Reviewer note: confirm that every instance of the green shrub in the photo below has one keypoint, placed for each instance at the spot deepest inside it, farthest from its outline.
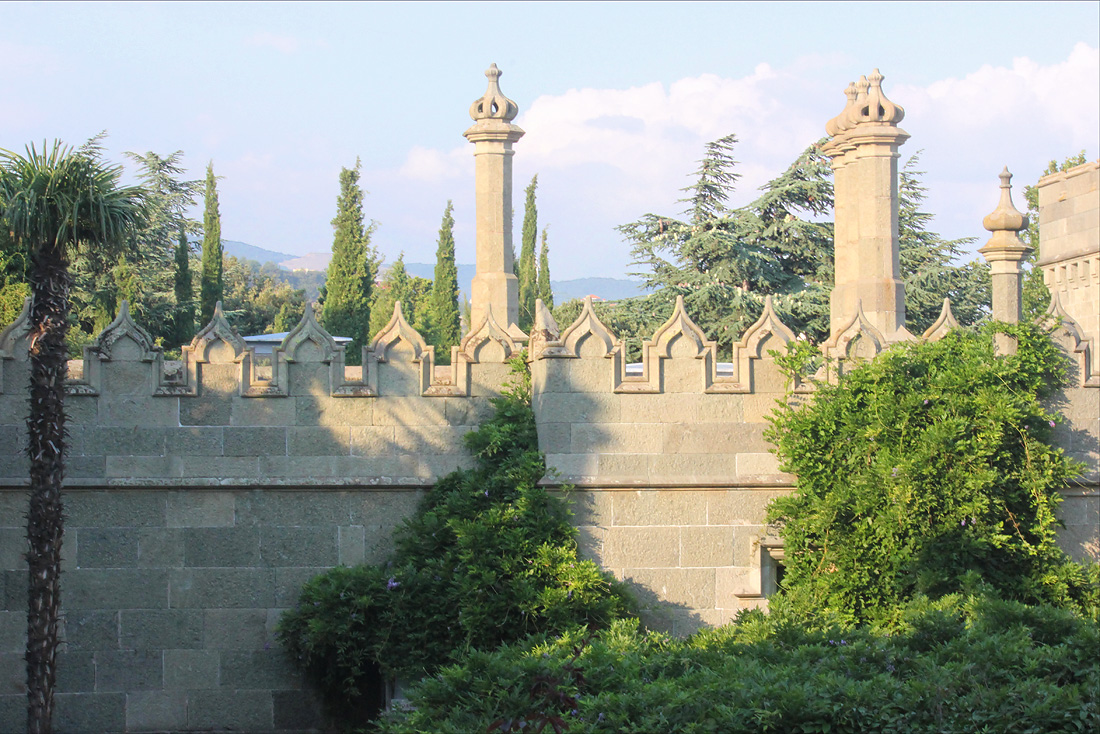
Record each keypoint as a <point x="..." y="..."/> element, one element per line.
<point x="488" y="558"/>
<point x="956" y="664"/>
<point x="930" y="462"/>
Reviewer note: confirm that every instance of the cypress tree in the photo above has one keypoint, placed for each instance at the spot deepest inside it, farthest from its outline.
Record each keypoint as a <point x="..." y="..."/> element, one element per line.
<point x="527" y="267"/>
<point x="185" y="294"/>
<point x="443" y="313"/>
<point x="544" y="290"/>
<point x="352" y="268"/>
<point x="211" y="287"/>
<point x="395" y="287"/>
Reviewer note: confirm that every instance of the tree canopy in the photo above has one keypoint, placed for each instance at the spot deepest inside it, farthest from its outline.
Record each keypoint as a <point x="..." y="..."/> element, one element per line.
<point x="351" y="272"/>
<point x="212" y="284"/>
<point x="442" y="316"/>
<point x="922" y="467"/>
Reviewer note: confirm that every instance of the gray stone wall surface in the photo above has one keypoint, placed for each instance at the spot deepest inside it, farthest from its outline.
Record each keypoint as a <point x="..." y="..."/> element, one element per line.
<point x="171" y="597"/>
<point x="201" y="495"/>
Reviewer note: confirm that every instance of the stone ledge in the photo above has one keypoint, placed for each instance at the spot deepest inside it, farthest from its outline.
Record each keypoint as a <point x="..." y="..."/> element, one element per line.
<point x="778" y="481"/>
<point x="304" y="483"/>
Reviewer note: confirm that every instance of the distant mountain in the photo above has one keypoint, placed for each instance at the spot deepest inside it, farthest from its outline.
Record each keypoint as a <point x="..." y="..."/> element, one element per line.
<point x="312" y="261"/>
<point x="251" y="252"/>
<point x="608" y="289"/>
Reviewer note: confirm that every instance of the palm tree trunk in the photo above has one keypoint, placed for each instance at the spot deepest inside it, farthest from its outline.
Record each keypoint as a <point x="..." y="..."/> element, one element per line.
<point x="50" y="285"/>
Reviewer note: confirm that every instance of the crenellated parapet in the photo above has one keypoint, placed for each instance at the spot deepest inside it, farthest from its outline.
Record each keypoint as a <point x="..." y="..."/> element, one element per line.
<point x="223" y="415"/>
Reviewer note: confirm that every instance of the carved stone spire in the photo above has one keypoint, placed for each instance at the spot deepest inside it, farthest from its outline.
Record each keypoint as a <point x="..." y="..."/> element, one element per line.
<point x="495" y="286"/>
<point x="493" y="104"/>
<point x="864" y="153"/>
<point x="1004" y="252"/>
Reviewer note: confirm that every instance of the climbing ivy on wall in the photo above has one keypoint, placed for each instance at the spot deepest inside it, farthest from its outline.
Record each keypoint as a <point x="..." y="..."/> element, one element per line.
<point x="488" y="558"/>
<point x="922" y="468"/>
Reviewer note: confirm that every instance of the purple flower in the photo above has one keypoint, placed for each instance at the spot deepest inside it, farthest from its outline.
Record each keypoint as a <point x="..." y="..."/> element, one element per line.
<point x="926" y="401"/>
<point x="962" y="522"/>
<point x="392" y="584"/>
<point x="486" y="493"/>
<point x="1051" y="424"/>
<point x="894" y="473"/>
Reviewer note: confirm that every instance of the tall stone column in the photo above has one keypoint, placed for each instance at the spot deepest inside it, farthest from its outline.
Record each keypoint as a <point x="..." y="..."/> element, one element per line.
<point x="1004" y="252"/>
<point x="864" y="154"/>
<point x="495" y="285"/>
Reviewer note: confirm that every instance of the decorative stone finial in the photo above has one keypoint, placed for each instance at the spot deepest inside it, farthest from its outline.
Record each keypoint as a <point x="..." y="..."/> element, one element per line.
<point x="840" y="123"/>
<point x="874" y="107"/>
<point x="866" y="103"/>
<point x="493" y="105"/>
<point x="1005" y="218"/>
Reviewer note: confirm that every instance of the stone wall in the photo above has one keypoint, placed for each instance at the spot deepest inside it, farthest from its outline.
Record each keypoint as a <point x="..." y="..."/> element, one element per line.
<point x="202" y="494"/>
<point x="1069" y="229"/>
<point x="171" y="597"/>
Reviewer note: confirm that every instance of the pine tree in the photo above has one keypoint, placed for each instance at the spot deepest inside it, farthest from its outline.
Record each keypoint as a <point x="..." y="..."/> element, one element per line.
<point x="545" y="292"/>
<point x="211" y="288"/>
<point x="149" y="252"/>
<point x="926" y="262"/>
<point x="528" y="270"/>
<point x="443" y="316"/>
<point x="185" y="307"/>
<point x="347" y="308"/>
<point x="724" y="262"/>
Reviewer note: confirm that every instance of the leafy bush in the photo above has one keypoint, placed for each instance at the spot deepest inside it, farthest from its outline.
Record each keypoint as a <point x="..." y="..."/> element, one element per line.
<point x="958" y="664"/>
<point x="488" y="558"/>
<point x="931" y="461"/>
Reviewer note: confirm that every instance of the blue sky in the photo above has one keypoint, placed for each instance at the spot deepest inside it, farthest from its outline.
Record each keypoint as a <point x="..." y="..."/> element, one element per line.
<point x="618" y="100"/>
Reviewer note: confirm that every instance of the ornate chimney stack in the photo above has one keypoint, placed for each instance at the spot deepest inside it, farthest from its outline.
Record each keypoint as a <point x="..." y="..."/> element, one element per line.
<point x="1004" y="252"/>
<point x="495" y="288"/>
<point x="864" y="153"/>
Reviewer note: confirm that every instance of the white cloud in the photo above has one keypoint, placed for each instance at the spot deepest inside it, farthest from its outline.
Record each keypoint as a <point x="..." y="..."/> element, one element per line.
<point x="1060" y="98"/>
<point x="280" y="42"/>
<point x="434" y="166"/>
<point x="606" y="156"/>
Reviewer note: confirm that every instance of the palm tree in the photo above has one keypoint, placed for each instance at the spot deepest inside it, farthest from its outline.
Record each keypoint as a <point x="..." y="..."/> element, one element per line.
<point x="53" y="203"/>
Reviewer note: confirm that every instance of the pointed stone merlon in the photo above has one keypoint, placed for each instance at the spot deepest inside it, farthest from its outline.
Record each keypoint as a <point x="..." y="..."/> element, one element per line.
<point x="493" y="134"/>
<point x="1069" y="227"/>
<point x="1004" y="252"/>
<point x="864" y="154"/>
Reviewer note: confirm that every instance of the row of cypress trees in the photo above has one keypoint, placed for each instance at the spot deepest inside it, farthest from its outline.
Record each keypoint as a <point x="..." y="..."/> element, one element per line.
<point x="534" y="280"/>
<point x="355" y="306"/>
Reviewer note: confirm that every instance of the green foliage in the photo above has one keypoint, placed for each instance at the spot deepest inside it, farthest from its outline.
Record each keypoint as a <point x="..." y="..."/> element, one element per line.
<point x="927" y="464"/>
<point x="926" y="262"/>
<point x="1036" y="297"/>
<point x="528" y="266"/>
<point x="962" y="664"/>
<point x="14" y="287"/>
<point x="146" y="277"/>
<point x="443" y="315"/>
<point x="412" y="291"/>
<point x="724" y="262"/>
<point x="352" y="269"/>
<point x="545" y="291"/>
<point x="212" y="284"/>
<point x="257" y="300"/>
<point x="488" y="558"/>
<point x="184" y="321"/>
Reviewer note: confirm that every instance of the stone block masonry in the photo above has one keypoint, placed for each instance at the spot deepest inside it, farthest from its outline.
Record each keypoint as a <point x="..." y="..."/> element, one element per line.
<point x="171" y="597"/>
